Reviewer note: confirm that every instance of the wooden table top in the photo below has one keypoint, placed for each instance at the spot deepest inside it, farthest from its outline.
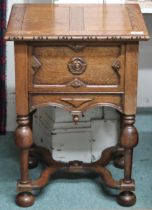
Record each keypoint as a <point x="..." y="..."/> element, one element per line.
<point x="76" y="22"/>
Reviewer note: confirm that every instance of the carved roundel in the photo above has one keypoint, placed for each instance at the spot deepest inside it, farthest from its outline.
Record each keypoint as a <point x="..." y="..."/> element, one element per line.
<point x="77" y="66"/>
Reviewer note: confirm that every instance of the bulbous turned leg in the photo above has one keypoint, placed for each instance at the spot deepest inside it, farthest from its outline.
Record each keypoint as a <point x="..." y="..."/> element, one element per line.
<point x="126" y="198"/>
<point x="128" y="140"/>
<point x="25" y="199"/>
<point x="23" y="139"/>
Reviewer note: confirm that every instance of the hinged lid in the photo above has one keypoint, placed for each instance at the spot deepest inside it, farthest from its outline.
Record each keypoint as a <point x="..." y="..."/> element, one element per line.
<point x="76" y="22"/>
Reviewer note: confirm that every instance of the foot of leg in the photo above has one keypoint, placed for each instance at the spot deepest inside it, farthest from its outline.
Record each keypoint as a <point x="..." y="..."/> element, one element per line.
<point x="25" y="199"/>
<point x="126" y="198"/>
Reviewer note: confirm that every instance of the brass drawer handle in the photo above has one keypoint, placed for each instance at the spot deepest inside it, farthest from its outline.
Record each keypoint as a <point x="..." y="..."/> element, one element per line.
<point x="77" y="66"/>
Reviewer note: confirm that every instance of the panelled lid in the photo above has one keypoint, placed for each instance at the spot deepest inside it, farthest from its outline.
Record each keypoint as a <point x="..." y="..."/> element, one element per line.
<point x="76" y="22"/>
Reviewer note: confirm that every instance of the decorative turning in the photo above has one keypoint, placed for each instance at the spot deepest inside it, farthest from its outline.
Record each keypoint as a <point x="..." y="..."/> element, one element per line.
<point x="76" y="118"/>
<point x="77" y="66"/>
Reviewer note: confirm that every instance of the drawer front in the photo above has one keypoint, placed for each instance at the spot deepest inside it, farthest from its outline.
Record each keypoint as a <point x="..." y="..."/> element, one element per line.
<point x="79" y="68"/>
<point x="76" y="102"/>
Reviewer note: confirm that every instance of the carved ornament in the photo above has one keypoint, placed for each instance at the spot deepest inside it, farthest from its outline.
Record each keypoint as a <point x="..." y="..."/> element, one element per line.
<point x="76" y="102"/>
<point x="77" y="47"/>
<point x="76" y="83"/>
<point x="116" y="67"/>
<point x="77" y="66"/>
<point x="36" y="64"/>
<point x="10" y="37"/>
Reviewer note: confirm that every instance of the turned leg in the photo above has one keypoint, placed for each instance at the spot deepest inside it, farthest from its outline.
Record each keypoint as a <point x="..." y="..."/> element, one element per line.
<point x="23" y="139"/>
<point x="129" y="139"/>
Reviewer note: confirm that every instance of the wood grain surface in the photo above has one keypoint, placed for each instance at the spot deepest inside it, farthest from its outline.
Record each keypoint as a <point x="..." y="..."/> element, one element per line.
<point x="76" y="57"/>
<point x="104" y="68"/>
<point x="82" y="22"/>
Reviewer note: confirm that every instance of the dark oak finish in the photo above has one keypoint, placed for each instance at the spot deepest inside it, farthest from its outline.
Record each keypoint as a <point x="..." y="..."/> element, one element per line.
<point x="76" y="57"/>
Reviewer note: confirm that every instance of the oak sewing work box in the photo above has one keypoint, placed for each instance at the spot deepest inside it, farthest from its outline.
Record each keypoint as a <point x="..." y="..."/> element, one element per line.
<point x="76" y="57"/>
